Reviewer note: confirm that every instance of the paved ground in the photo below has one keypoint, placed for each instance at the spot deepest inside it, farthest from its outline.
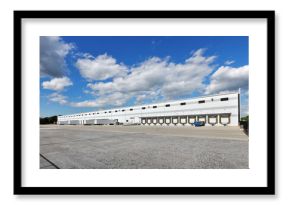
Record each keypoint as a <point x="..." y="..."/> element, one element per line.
<point x="139" y="147"/>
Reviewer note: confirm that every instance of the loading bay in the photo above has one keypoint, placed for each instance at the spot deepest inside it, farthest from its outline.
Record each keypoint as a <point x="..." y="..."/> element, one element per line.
<point x="142" y="147"/>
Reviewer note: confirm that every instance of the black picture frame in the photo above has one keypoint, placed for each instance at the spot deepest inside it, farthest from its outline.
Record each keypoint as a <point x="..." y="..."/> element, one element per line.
<point x="268" y="190"/>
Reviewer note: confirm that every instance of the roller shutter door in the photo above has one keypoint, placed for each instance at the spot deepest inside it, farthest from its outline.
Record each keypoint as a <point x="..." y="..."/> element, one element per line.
<point x="63" y="122"/>
<point x="90" y="122"/>
<point x="183" y="120"/>
<point x="212" y="119"/>
<point x="225" y="119"/>
<point x="167" y="120"/>
<point x="74" y="122"/>
<point x="174" y="120"/>
<point x="201" y="119"/>
<point x="191" y="119"/>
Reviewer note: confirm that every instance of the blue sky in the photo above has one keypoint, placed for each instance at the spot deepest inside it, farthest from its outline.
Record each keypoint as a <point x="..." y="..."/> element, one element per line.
<point x="85" y="73"/>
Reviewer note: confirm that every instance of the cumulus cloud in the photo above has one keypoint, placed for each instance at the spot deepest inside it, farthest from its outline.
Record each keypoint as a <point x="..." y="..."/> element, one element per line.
<point x="58" y="98"/>
<point x="158" y="78"/>
<point x="228" y="79"/>
<point x="53" y="51"/>
<point x="86" y="103"/>
<point x="153" y="80"/>
<point x="100" y="68"/>
<point x="114" y="99"/>
<point x="57" y="84"/>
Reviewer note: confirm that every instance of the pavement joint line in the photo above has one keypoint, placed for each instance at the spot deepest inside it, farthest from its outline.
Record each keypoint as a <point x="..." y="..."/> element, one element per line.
<point x="133" y="148"/>
<point x="52" y="164"/>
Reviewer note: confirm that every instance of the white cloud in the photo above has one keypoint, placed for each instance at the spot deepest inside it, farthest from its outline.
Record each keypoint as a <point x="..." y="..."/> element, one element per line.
<point x="100" y="68"/>
<point x="228" y="79"/>
<point x="53" y="51"/>
<point x="158" y="79"/>
<point x="152" y="80"/>
<point x="229" y="62"/>
<point x="57" y="84"/>
<point x="115" y="99"/>
<point x="85" y="103"/>
<point x="58" y="98"/>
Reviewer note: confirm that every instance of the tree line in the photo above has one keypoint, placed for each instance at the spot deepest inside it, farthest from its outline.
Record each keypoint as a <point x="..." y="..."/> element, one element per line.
<point x="48" y="120"/>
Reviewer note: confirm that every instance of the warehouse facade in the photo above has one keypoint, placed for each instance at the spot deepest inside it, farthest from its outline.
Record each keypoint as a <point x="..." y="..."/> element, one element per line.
<point x="215" y="110"/>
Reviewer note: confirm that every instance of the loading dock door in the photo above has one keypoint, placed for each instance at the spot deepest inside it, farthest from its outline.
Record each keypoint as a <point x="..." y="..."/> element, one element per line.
<point x="182" y="120"/>
<point x="212" y="119"/>
<point x="167" y="120"/>
<point x="191" y="119"/>
<point x="174" y="120"/>
<point x="74" y="122"/>
<point x="90" y="122"/>
<point x="201" y="118"/>
<point x="63" y="122"/>
<point x="225" y="119"/>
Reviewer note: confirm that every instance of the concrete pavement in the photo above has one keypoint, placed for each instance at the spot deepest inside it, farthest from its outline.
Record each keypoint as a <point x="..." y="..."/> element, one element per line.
<point x="139" y="147"/>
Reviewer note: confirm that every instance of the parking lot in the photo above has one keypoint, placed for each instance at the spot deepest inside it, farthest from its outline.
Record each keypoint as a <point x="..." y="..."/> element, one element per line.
<point x="141" y="147"/>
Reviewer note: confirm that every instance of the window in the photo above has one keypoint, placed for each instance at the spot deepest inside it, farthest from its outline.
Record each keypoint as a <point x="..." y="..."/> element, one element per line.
<point x="123" y="110"/>
<point x="201" y="101"/>
<point x="131" y="109"/>
<point x="98" y="113"/>
<point x="224" y="99"/>
<point x="168" y="105"/>
<point x="116" y="110"/>
<point x="143" y="108"/>
<point x="154" y="106"/>
<point x="105" y="112"/>
<point x="183" y="103"/>
<point x="109" y="111"/>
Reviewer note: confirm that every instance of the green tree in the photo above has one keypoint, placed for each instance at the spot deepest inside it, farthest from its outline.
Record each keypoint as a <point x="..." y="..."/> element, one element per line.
<point x="48" y="120"/>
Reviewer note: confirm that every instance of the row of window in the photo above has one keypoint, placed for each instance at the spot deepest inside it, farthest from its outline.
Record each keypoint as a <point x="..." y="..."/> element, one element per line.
<point x="143" y="108"/>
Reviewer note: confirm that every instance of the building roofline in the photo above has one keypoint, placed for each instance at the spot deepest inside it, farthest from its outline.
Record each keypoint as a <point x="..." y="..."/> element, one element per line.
<point x="157" y="103"/>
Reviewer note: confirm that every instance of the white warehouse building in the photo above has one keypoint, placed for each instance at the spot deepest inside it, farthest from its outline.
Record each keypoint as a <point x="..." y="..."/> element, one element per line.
<point x="215" y="110"/>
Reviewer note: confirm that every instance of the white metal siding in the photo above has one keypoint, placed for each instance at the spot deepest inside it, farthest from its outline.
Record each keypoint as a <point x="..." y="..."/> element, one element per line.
<point x="212" y="106"/>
